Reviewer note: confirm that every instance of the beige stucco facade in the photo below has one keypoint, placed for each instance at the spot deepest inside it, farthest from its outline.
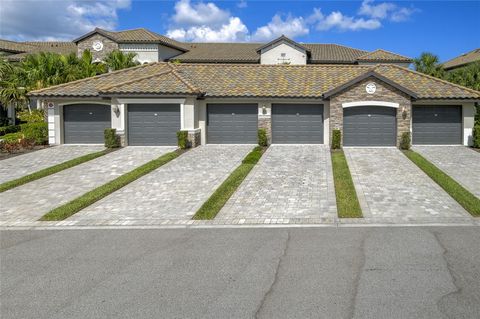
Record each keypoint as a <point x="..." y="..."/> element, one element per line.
<point x="283" y="53"/>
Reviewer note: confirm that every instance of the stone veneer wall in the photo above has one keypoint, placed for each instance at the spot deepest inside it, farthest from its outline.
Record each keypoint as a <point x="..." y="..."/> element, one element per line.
<point x="265" y="122"/>
<point x="195" y="138"/>
<point x="108" y="46"/>
<point x="384" y="93"/>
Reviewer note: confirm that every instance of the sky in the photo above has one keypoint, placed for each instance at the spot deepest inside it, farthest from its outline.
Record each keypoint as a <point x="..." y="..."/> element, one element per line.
<point x="446" y="28"/>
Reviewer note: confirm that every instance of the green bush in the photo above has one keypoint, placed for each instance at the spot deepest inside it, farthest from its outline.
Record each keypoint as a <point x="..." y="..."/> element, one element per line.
<point x="11" y="142"/>
<point x="476" y="136"/>
<point x="34" y="116"/>
<point x="12" y="137"/>
<point x="262" y="137"/>
<point x="254" y="156"/>
<point x="112" y="140"/>
<point x="9" y="129"/>
<point x="336" y="139"/>
<point x="405" y="141"/>
<point x="36" y="132"/>
<point x="182" y="137"/>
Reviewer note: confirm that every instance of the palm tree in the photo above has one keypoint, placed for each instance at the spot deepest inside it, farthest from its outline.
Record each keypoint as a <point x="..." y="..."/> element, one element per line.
<point x="429" y="63"/>
<point x="87" y="67"/>
<point x="117" y="60"/>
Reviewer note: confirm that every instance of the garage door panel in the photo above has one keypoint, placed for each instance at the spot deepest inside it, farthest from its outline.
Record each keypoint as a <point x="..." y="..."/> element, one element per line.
<point x="297" y="123"/>
<point x="153" y="124"/>
<point x="232" y="123"/>
<point x="369" y="126"/>
<point x="437" y="125"/>
<point x="85" y="123"/>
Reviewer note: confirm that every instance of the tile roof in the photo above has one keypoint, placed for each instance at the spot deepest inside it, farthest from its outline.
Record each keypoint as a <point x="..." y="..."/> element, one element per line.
<point x="22" y="49"/>
<point x="250" y="80"/>
<point x="384" y="56"/>
<point x="15" y="47"/>
<point x="247" y="53"/>
<point x="140" y="35"/>
<point x="463" y="59"/>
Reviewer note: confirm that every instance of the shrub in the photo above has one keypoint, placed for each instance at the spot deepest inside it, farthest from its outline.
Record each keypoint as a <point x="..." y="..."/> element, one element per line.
<point x="262" y="137"/>
<point x="182" y="137"/>
<point x="112" y="140"/>
<point x="336" y="139"/>
<point x="34" y="116"/>
<point x="11" y="142"/>
<point x="36" y="132"/>
<point x="9" y="129"/>
<point x="254" y="156"/>
<point x="476" y="136"/>
<point x="405" y="141"/>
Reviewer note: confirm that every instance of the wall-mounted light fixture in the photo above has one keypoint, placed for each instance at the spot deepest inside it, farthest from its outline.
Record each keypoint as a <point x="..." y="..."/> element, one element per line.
<point x="264" y="110"/>
<point x="116" y="110"/>
<point x="404" y="112"/>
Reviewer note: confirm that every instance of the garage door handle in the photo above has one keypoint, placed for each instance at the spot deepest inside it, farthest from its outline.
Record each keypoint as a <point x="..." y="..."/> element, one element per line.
<point x="91" y="113"/>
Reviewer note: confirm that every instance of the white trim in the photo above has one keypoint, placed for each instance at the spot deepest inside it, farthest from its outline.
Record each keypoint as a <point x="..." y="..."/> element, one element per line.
<point x="368" y="103"/>
<point x="182" y="116"/>
<point x="151" y="101"/>
<point x="85" y="102"/>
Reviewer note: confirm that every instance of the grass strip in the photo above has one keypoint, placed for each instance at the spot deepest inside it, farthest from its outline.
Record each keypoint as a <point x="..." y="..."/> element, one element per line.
<point x="467" y="200"/>
<point x="50" y="170"/>
<point x="347" y="201"/>
<point x="223" y="193"/>
<point x="87" y="199"/>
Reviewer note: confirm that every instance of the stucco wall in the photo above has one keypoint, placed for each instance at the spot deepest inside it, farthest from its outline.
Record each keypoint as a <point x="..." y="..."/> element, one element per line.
<point x="145" y="53"/>
<point x="165" y="53"/>
<point x="273" y="55"/>
<point x="108" y="46"/>
<point x="384" y="93"/>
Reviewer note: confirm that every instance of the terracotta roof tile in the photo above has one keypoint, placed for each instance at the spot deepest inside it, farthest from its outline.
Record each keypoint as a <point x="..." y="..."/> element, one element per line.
<point x="383" y="56"/>
<point x="251" y="80"/>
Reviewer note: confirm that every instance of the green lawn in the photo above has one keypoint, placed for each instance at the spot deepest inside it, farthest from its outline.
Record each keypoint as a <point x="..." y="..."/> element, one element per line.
<point x="347" y="201"/>
<point x="218" y="199"/>
<point x="466" y="199"/>
<point x="87" y="199"/>
<point x="50" y="170"/>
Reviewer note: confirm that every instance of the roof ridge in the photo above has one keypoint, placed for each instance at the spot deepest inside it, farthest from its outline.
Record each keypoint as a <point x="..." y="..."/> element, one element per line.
<point x="245" y="65"/>
<point x="108" y="87"/>
<point x="96" y="77"/>
<point x="386" y="51"/>
<point x="430" y="77"/>
<point x="184" y="81"/>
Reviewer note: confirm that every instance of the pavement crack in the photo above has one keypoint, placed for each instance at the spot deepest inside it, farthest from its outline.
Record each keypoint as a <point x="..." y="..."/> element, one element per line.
<point x="453" y="275"/>
<point x="275" y="276"/>
<point x="358" y="277"/>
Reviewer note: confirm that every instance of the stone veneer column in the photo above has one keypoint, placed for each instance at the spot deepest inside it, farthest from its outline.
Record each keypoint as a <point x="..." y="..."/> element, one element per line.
<point x="195" y="137"/>
<point x="265" y="120"/>
<point x="384" y="93"/>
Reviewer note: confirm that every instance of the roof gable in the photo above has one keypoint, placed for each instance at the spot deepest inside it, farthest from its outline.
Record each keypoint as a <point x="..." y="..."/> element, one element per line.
<point x="282" y="39"/>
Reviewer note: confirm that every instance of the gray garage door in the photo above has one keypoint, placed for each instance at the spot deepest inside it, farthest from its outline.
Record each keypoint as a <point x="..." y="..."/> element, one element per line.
<point x="437" y="125"/>
<point x="153" y="124"/>
<point x="369" y="126"/>
<point x="297" y="123"/>
<point x="232" y="123"/>
<point x="85" y="123"/>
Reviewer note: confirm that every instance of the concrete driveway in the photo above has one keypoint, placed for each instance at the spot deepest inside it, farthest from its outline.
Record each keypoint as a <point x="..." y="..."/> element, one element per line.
<point x="174" y="191"/>
<point x="31" y="201"/>
<point x="290" y="182"/>
<point x="21" y="165"/>
<point x="391" y="188"/>
<point x="459" y="162"/>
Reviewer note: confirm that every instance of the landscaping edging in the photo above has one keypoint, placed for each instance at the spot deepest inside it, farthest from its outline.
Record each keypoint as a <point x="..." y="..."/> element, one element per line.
<point x="459" y="193"/>
<point x="51" y="170"/>
<point x="87" y="199"/>
<point x="222" y="194"/>
<point x="348" y="205"/>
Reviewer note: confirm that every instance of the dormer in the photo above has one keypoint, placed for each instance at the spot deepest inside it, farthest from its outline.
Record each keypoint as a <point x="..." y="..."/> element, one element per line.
<point x="283" y="51"/>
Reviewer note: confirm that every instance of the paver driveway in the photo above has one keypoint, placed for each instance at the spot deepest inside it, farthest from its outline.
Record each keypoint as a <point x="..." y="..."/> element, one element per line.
<point x="289" y="182"/>
<point x="459" y="162"/>
<point x="173" y="191"/>
<point x="391" y="188"/>
<point x="31" y="201"/>
<point x="21" y="165"/>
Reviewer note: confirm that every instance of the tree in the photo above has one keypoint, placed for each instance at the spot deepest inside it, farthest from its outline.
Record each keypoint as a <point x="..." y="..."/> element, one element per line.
<point x="468" y="76"/>
<point x="429" y="63"/>
<point x="117" y="60"/>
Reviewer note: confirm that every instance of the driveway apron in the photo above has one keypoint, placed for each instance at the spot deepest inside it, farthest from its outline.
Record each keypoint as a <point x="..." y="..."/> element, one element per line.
<point x="459" y="162"/>
<point x="173" y="191"/>
<point x="391" y="188"/>
<point x="289" y="182"/>
<point x="22" y="165"/>
<point x="31" y="201"/>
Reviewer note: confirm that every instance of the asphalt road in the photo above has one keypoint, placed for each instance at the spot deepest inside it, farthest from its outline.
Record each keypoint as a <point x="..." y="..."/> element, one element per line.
<point x="242" y="273"/>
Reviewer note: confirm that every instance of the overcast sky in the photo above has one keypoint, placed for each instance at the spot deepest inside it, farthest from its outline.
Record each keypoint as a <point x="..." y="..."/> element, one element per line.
<point x="447" y="28"/>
